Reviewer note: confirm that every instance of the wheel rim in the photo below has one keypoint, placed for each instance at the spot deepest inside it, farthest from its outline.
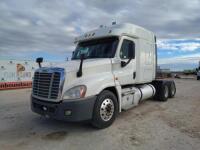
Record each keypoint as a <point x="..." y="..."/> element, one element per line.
<point x="107" y="109"/>
<point x="166" y="91"/>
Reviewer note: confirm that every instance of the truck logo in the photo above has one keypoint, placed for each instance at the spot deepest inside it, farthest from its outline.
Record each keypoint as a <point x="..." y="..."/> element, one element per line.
<point x="20" y="68"/>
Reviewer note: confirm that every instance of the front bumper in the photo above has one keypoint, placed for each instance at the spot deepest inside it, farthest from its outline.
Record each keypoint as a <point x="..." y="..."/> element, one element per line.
<point x="81" y="109"/>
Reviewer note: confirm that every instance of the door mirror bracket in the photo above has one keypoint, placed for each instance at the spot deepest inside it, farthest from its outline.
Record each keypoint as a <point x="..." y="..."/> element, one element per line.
<point x="123" y="63"/>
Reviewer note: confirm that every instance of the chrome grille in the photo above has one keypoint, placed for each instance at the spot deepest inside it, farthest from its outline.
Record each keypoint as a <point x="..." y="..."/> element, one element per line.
<point x="46" y="85"/>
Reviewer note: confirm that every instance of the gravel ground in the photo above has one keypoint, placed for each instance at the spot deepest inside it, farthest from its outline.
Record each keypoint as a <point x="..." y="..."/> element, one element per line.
<point x="171" y="125"/>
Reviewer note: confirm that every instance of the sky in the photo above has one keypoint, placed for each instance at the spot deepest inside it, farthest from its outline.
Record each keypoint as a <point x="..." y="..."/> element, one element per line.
<point x="47" y="28"/>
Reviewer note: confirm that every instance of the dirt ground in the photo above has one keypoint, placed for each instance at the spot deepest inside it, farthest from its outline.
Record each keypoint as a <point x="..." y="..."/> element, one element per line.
<point x="171" y="125"/>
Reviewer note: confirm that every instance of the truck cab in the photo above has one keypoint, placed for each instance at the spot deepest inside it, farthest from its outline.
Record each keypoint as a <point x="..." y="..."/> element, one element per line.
<point x="112" y="69"/>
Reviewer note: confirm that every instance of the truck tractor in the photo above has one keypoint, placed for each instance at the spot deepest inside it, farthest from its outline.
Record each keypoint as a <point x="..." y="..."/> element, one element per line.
<point x="112" y="69"/>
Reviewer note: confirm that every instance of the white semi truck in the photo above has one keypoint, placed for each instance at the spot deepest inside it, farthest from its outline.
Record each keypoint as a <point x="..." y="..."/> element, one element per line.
<point x="112" y="69"/>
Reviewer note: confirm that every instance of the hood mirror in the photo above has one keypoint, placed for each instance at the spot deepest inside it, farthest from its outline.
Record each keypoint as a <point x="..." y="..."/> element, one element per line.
<point x="39" y="60"/>
<point x="80" y="73"/>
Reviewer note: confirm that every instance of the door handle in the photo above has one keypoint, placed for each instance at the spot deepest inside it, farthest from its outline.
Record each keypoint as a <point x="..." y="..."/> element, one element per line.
<point x="134" y="75"/>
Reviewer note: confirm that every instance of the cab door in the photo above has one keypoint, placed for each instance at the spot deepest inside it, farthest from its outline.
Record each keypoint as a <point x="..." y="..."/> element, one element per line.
<point x="125" y="74"/>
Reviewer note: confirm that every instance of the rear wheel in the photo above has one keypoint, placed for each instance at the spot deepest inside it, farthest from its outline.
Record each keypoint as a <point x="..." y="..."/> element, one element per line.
<point x="105" y="110"/>
<point x="165" y="93"/>
<point x="198" y="78"/>
<point x="162" y="92"/>
<point x="172" y="89"/>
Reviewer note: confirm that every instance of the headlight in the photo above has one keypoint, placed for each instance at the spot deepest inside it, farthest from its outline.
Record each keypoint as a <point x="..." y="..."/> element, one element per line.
<point x="75" y="92"/>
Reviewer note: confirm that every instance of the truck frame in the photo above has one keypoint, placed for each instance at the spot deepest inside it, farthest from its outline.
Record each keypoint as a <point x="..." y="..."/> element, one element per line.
<point x="112" y="69"/>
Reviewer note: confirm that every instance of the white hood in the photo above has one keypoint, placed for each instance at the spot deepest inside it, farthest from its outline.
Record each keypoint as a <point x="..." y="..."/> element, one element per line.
<point x="73" y="65"/>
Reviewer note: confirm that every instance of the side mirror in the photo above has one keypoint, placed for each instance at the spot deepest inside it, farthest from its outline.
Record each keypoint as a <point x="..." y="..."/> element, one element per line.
<point x="131" y="56"/>
<point x="123" y="64"/>
<point x="39" y="60"/>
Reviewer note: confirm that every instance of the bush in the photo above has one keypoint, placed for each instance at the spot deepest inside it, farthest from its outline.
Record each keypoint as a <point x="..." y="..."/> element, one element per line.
<point x="190" y="72"/>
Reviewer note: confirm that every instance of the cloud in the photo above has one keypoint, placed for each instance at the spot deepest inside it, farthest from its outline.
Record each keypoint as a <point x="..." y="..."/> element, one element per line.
<point x="191" y="58"/>
<point x="179" y="45"/>
<point x="51" y="25"/>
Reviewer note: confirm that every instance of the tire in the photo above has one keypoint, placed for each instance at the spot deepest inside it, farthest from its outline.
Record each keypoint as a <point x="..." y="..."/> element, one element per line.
<point x="163" y="92"/>
<point x="105" y="110"/>
<point x="172" y="89"/>
<point x="198" y="78"/>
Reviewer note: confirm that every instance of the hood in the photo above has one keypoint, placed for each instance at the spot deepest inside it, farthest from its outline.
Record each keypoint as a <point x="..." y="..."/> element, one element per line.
<point x="73" y="65"/>
<point x="92" y="68"/>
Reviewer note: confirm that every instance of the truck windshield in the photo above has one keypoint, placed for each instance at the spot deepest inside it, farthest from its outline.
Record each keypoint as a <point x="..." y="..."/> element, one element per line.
<point x="98" y="48"/>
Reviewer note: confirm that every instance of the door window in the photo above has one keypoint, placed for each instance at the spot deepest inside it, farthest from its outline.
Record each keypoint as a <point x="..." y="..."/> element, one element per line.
<point x="127" y="48"/>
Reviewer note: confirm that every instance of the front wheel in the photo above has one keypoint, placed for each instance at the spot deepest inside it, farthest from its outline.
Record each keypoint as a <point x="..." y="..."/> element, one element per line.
<point x="105" y="110"/>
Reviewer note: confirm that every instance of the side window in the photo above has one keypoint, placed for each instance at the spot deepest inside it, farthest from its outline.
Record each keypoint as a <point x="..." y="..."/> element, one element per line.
<point x="127" y="49"/>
